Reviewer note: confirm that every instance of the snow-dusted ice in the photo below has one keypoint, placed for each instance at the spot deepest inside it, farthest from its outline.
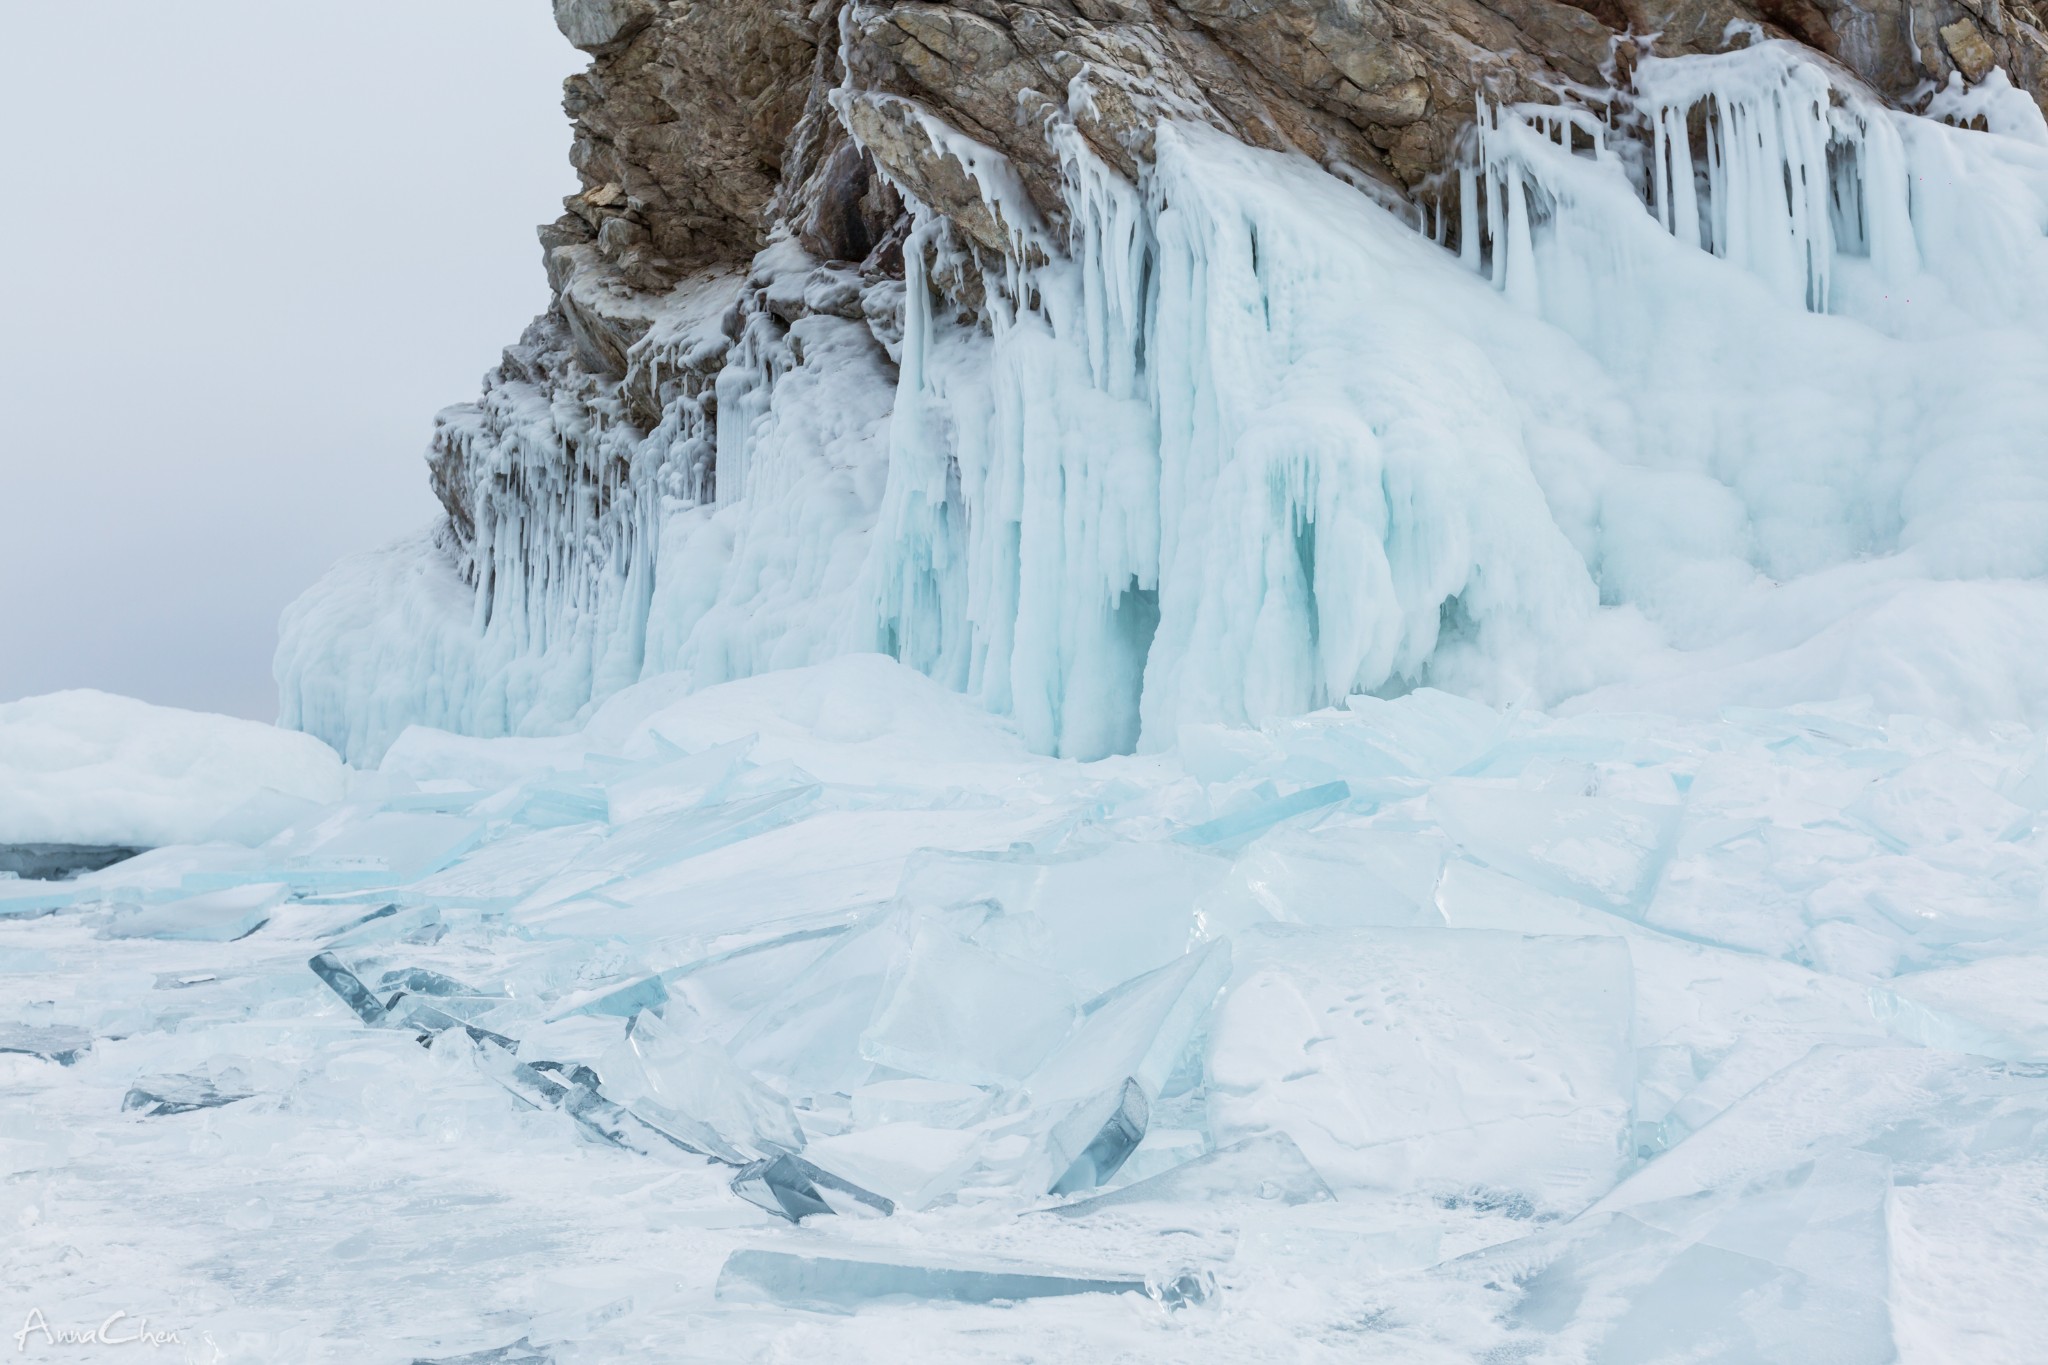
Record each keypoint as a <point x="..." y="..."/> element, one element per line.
<point x="1039" y="1077"/>
<point x="1506" y="823"/>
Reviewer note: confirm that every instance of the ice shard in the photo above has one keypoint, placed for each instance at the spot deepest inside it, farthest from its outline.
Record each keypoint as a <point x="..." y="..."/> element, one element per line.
<point x="1267" y="1169"/>
<point x="1091" y="1143"/>
<point x="59" y="1043"/>
<point x="691" y="1084"/>
<point x="520" y="1352"/>
<point x="156" y="1096"/>
<point x="840" y="1284"/>
<point x="216" y="917"/>
<point x="792" y="1188"/>
<point x="349" y="987"/>
<point x="1242" y="825"/>
<point x="954" y="1011"/>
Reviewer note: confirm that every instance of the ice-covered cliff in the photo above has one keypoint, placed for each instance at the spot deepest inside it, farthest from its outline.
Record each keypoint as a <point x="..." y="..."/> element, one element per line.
<point x="1129" y="365"/>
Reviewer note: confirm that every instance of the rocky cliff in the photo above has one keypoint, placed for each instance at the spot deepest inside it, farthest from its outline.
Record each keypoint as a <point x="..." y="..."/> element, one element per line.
<point x="772" y="194"/>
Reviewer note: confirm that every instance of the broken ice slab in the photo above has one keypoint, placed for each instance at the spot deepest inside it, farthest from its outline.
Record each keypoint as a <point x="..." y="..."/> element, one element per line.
<point x="655" y="841"/>
<point x="520" y="1352"/>
<point x="1603" y="852"/>
<point x="1102" y="914"/>
<point x="1791" y="1267"/>
<point x="497" y="875"/>
<point x="621" y="1000"/>
<point x="739" y="973"/>
<point x="2006" y="998"/>
<point x="59" y="1043"/>
<point x="1343" y="877"/>
<point x="157" y="1096"/>
<point x="1268" y="1168"/>
<point x="388" y="923"/>
<point x="214" y="917"/>
<point x="573" y="1089"/>
<point x="60" y="862"/>
<point x="841" y="1284"/>
<point x="954" y="1011"/>
<point x="1138" y="1029"/>
<point x="1090" y="1144"/>
<point x="1163" y="1150"/>
<point x="1241" y="825"/>
<point x="1426" y="733"/>
<point x="679" y="784"/>
<point x="1413" y="1060"/>
<point x="421" y="981"/>
<point x="673" y="1078"/>
<point x="389" y="848"/>
<point x="349" y="987"/>
<point x="908" y="1163"/>
<point x="807" y="1034"/>
<point x="791" y="1187"/>
<point x="932" y="1104"/>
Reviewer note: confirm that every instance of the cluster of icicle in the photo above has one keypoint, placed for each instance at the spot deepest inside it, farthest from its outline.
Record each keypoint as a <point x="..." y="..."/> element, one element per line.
<point x="1797" y="172"/>
<point x="1240" y="444"/>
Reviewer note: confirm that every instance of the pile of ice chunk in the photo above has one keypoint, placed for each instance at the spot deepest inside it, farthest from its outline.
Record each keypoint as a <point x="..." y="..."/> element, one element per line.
<point x="1414" y="1029"/>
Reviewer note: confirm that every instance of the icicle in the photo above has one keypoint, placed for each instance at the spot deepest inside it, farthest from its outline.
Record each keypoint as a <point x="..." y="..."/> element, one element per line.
<point x="1468" y="218"/>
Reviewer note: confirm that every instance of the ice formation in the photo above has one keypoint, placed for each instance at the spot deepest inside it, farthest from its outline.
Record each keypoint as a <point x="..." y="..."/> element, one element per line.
<point x="1325" y="785"/>
<point x="1705" y="428"/>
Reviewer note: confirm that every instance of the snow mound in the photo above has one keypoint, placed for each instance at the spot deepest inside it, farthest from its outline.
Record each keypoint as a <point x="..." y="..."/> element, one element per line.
<point x="87" y="767"/>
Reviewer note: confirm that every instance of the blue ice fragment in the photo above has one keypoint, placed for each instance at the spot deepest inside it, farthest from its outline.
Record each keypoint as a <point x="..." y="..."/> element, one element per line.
<point x="520" y="1352"/>
<point x="793" y="1188"/>
<point x="215" y="917"/>
<point x="157" y="1096"/>
<point x="1268" y="1168"/>
<point x="1258" y="818"/>
<point x="349" y="987"/>
<point x="1092" y="1142"/>
<point x="420" y="981"/>
<point x="619" y="1000"/>
<point x="59" y="1043"/>
<point x="840" y="1284"/>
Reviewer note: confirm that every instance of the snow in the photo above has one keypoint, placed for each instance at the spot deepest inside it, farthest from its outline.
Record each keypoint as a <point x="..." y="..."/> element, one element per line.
<point x="86" y="767"/>
<point x="1304" y="795"/>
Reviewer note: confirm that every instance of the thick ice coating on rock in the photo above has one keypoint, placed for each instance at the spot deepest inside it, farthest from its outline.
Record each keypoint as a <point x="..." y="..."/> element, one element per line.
<point x="1240" y="442"/>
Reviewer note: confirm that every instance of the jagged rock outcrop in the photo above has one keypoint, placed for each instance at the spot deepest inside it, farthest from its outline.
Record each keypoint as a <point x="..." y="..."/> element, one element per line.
<point x="692" y="114"/>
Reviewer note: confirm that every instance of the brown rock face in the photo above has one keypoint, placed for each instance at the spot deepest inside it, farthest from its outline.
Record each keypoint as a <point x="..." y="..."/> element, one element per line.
<point x="703" y="128"/>
<point x="701" y="125"/>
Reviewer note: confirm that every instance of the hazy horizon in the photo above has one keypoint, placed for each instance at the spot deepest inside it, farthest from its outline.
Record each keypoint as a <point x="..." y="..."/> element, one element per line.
<point x="254" y="249"/>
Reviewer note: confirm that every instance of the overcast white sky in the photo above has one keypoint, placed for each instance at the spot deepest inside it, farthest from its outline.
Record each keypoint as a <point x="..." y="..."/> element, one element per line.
<point x="249" y="247"/>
